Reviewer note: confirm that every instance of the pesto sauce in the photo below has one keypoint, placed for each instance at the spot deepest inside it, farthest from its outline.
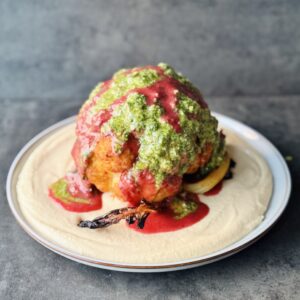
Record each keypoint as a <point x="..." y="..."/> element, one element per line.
<point x="216" y="158"/>
<point x="60" y="191"/>
<point x="182" y="208"/>
<point x="169" y="71"/>
<point x="163" y="151"/>
<point x="123" y="82"/>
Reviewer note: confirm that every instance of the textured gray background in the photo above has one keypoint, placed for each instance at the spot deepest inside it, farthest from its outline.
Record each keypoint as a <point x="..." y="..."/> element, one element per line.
<point x="245" y="57"/>
<point x="62" y="48"/>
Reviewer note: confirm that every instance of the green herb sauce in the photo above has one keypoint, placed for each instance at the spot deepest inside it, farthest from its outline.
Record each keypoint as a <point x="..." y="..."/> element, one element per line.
<point x="123" y="83"/>
<point x="162" y="150"/>
<point x="60" y="191"/>
<point x="181" y="207"/>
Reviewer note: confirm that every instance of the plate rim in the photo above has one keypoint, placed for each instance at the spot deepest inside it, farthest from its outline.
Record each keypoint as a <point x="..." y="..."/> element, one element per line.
<point x="156" y="267"/>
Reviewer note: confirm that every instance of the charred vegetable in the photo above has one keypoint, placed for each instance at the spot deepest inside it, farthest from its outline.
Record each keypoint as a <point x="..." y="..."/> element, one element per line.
<point x="137" y="214"/>
<point x="210" y="180"/>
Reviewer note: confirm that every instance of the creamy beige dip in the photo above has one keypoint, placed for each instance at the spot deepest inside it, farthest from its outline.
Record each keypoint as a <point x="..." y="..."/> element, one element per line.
<point x="234" y="212"/>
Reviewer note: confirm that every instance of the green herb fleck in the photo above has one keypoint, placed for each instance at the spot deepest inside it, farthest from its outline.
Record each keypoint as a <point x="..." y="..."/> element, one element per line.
<point x="182" y="208"/>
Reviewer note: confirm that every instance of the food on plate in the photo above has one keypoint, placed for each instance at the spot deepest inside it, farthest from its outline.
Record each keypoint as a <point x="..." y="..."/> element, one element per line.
<point x="211" y="180"/>
<point x="186" y="226"/>
<point x="143" y="135"/>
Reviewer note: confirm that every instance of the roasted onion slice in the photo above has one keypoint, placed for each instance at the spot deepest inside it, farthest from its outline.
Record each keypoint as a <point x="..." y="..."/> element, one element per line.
<point x="211" y="180"/>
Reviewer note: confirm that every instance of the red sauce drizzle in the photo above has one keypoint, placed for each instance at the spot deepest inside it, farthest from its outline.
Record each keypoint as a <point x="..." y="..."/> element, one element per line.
<point x="88" y="129"/>
<point x="215" y="190"/>
<point x="165" y="90"/>
<point x="95" y="202"/>
<point x="78" y="188"/>
<point x="143" y="187"/>
<point x="162" y="92"/>
<point x="165" y="221"/>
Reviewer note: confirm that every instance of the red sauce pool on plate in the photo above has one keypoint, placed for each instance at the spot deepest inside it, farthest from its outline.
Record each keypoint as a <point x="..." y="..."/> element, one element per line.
<point x="93" y="203"/>
<point x="165" y="220"/>
<point x="75" y="194"/>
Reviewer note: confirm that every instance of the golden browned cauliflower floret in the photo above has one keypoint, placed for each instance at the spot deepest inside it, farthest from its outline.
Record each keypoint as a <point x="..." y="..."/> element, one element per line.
<point x="141" y="131"/>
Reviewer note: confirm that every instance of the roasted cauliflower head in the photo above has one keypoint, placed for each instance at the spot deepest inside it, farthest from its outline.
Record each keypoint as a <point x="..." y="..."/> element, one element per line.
<point x="141" y="131"/>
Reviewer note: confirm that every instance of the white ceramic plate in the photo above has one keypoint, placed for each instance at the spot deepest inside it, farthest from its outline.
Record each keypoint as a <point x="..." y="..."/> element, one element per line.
<point x="278" y="202"/>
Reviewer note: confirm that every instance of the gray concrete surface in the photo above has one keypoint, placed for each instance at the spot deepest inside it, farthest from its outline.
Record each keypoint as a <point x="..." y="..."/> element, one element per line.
<point x="62" y="48"/>
<point x="270" y="269"/>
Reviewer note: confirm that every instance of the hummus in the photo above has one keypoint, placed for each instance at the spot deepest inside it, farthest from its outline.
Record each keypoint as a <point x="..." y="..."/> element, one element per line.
<point x="234" y="212"/>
